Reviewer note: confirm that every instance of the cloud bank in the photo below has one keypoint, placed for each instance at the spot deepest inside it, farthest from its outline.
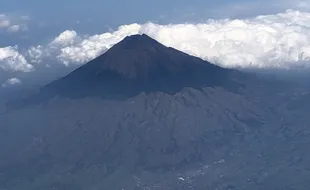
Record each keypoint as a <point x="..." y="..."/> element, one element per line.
<point x="268" y="41"/>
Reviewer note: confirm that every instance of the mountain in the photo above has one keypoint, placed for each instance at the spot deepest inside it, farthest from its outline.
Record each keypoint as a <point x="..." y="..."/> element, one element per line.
<point x="146" y="116"/>
<point x="140" y="64"/>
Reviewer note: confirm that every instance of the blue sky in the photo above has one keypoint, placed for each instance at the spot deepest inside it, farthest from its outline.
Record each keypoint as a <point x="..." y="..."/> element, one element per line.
<point x="116" y="12"/>
<point x="112" y="9"/>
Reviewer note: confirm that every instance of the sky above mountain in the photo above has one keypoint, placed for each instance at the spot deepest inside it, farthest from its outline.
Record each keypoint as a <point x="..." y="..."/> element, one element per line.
<point x="40" y="37"/>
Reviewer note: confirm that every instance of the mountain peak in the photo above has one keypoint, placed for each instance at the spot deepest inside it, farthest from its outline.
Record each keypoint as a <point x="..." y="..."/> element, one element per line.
<point x="139" y="64"/>
<point x="134" y="56"/>
<point x="138" y="39"/>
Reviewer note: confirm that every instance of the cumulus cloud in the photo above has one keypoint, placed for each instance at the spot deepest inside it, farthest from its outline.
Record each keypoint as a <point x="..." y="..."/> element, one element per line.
<point x="93" y="46"/>
<point x="36" y="53"/>
<point x="280" y="40"/>
<point x="12" y="60"/>
<point x="66" y="38"/>
<point x="268" y="41"/>
<point x="11" y="81"/>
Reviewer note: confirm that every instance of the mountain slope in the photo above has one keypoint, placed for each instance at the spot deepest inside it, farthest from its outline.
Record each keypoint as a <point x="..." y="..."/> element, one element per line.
<point x="145" y="116"/>
<point x="140" y="64"/>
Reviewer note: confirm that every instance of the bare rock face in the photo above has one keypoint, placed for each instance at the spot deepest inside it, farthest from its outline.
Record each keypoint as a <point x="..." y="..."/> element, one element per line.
<point x="144" y="116"/>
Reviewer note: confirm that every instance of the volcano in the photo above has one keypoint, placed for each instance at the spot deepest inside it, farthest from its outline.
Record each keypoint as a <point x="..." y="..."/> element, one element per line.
<point x="140" y="64"/>
<point x="146" y="116"/>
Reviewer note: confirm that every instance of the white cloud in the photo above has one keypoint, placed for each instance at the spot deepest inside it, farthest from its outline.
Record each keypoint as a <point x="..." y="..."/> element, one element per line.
<point x="35" y="54"/>
<point x="12" y="60"/>
<point x="93" y="46"/>
<point x="268" y="41"/>
<point x="280" y="40"/>
<point x="66" y="38"/>
<point x="11" y="81"/>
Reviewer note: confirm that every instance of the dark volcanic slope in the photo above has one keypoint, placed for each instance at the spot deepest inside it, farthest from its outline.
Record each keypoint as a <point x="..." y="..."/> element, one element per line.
<point x="139" y="64"/>
<point x="144" y="116"/>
